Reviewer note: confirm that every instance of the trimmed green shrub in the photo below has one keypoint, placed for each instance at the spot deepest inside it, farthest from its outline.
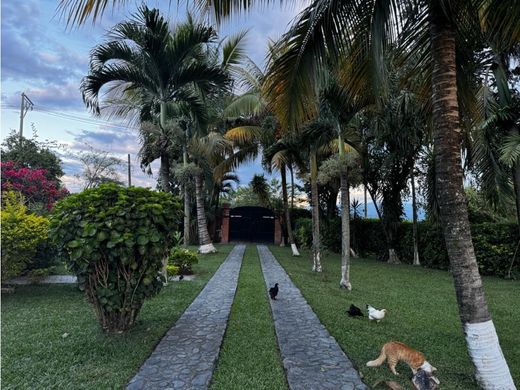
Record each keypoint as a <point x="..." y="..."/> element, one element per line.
<point x="494" y="243"/>
<point x="183" y="259"/>
<point x="22" y="232"/>
<point x="115" y="239"/>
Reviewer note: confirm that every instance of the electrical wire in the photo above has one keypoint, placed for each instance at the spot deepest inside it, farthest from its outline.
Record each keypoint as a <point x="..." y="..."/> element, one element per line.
<point x="61" y="115"/>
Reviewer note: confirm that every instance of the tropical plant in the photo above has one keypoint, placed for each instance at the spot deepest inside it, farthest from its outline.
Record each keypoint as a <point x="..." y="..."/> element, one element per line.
<point x="115" y="239"/>
<point x="183" y="259"/>
<point x="146" y="67"/>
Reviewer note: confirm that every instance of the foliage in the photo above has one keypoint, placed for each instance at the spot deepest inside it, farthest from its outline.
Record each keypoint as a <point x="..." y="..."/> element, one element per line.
<point x="38" y="192"/>
<point x="172" y="270"/>
<point x="22" y="232"/>
<point x="183" y="259"/>
<point x="480" y="210"/>
<point x="31" y="153"/>
<point x="114" y="240"/>
<point x="494" y="243"/>
<point x="303" y="232"/>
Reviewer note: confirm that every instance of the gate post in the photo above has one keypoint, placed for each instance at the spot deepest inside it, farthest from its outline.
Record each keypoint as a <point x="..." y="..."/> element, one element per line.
<point x="224" y="228"/>
<point x="277" y="231"/>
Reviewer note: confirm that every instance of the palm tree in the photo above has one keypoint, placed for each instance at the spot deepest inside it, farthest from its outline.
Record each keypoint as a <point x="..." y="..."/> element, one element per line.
<point x="285" y="152"/>
<point x="328" y="27"/>
<point x="147" y="68"/>
<point x="209" y="154"/>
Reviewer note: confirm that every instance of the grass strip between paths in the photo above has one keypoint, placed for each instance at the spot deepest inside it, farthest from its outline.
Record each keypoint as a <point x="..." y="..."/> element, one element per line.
<point x="37" y="355"/>
<point x="422" y="312"/>
<point x="249" y="357"/>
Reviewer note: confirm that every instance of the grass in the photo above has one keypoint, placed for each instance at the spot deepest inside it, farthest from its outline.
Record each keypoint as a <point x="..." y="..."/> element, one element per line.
<point x="249" y="358"/>
<point x="34" y="319"/>
<point x="422" y="313"/>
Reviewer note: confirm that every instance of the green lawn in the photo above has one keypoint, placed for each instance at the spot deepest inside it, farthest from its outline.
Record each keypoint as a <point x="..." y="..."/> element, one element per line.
<point x="249" y="358"/>
<point x="36" y="356"/>
<point x="422" y="313"/>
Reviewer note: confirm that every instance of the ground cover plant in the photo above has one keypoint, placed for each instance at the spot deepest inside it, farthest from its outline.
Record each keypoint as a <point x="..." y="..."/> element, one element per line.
<point x="249" y="358"/>
<point x="50" y="339"/>
<point x="422" y="312"/>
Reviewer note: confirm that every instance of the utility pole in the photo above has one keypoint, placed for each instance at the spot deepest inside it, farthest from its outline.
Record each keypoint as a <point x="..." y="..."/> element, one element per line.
<point x="25" y="106"/>
<point x="129" y="175"/>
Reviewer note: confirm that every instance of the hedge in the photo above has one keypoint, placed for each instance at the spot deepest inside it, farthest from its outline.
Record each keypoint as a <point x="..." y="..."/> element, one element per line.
<point x="494" y="243"/>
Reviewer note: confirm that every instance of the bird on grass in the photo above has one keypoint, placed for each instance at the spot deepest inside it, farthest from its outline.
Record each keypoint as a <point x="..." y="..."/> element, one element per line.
<point x="354" y="311"/>
<point x="374" y="314"/>
<point x="273" y="291"/>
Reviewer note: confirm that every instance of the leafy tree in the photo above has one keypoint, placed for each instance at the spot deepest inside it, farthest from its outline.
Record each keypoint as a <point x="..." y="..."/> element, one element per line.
<point x="33" y="154"/>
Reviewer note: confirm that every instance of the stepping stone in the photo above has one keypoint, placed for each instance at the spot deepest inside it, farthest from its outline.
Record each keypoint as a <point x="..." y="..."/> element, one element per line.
<point x="311" y="356"/>
<point x="186" y="355"/>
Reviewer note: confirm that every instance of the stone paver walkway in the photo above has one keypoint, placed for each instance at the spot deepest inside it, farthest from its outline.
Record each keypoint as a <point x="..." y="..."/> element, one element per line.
<point x="311" y="356"/>
<point x="186" y="356"/>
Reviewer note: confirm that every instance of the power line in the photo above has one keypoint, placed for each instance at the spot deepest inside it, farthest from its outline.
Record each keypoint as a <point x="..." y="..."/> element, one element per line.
<point x="44" y="110"/>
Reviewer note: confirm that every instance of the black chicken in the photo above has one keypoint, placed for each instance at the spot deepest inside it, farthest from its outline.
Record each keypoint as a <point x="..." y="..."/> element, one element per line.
<point x="354" y="311"/>
<point x="273" y="291"/>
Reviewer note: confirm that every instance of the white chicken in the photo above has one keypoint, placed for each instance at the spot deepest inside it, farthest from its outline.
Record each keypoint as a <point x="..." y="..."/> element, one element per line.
<point x="374" y="314"/>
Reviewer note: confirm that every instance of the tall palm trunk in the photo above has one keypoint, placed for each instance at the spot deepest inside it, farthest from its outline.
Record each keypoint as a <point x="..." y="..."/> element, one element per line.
<point x="491" y="369"/>
<point x="345" y="232"/>
<point x="205" y="244"/>
<point x="165" y="172"/>
<point x="316" y="254"/>
<point x="186" y="204"/>
<point x="165" y="161"/>
<point x="345" y="222"/>
<point x="292" y="187"/>
<point x="290" y="234"/>
<point x="414" y="223"/>
<point x="165" y="178"/>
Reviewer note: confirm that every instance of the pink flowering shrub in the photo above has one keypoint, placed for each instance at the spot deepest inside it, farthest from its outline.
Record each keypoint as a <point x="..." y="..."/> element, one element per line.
<point x="32" y="184"/>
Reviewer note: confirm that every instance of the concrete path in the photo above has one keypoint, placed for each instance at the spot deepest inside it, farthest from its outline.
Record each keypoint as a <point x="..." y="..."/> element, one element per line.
<point x="186" y="356"/>
<point x="311" y="356"/>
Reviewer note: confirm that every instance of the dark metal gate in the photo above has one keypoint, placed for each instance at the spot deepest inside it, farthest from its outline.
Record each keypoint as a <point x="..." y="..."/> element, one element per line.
<point x="251" y="224"/>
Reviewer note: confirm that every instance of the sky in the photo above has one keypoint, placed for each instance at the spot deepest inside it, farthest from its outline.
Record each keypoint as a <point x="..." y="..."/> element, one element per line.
<point x="46" y="60"/>
<point x="43" y="58"/>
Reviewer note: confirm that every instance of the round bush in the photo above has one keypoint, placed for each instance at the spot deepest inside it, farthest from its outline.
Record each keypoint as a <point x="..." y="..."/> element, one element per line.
<point x="115" y="239"/>
<point x="183" y="259"/>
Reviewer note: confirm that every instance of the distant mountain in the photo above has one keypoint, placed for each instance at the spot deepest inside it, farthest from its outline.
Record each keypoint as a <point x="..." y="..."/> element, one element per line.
<point x="372" y="213"/>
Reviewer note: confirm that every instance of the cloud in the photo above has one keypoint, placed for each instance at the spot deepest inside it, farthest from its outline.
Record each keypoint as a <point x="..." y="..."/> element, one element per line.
<point x="118" y="141"/>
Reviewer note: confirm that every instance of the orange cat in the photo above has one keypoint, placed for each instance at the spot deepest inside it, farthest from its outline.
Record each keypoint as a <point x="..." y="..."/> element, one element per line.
<point x="395" y="351"/>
